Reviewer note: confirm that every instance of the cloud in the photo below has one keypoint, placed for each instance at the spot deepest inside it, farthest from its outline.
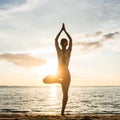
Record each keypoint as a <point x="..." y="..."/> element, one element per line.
<point x="23" y="60"/>
<point x="96" y="34"/>
<point x="90" y="41"/>
<point x="4" y="4"/>
<point x="103" y="35"/>
<point x="8" y="6"/>
<point x="18" y="32"/>
<point x="110" y="35"/>
<point x="95" y="40"/>
<point x="90" y="45"/>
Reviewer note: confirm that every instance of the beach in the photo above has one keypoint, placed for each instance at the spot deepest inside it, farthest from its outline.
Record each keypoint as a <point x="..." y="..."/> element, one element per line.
<point x="48" y="100"/>
<point x="85" y="103"/>
<point x="33" y="116"/>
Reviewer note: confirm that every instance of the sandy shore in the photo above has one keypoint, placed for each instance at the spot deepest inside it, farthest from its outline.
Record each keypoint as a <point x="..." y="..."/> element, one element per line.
<point x="30" y="116"/>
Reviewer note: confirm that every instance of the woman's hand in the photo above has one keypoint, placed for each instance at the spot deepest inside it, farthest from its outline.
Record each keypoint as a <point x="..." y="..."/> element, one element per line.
<point x="63" y="27"/>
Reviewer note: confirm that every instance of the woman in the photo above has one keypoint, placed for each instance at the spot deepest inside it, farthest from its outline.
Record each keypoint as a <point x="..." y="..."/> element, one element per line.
<point x="63" y="74"/>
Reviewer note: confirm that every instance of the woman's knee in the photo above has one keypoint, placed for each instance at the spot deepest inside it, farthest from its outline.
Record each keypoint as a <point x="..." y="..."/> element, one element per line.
<point x="65" y="95"/>
<point x="45" y="80"/>
<point x="65" y="92"/>
<point x="50" y="79"/>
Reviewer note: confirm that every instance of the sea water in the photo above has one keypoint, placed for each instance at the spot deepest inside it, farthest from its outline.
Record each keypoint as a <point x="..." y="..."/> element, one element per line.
<point x="48" y="100"/>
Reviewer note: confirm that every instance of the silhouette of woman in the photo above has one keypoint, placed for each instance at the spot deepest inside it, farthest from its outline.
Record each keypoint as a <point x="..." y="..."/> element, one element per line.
<point x="63" y="75"/>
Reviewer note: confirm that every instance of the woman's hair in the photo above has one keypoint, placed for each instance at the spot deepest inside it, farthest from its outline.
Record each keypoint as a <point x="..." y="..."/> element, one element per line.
<point x="64" y="42"/>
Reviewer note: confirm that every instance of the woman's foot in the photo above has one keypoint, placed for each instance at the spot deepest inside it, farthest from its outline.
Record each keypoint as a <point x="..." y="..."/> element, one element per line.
<point x="62" y="113"/>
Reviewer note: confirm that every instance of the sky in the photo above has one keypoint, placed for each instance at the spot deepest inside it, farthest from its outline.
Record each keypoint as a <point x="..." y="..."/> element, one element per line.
<point x="28" y="29"/>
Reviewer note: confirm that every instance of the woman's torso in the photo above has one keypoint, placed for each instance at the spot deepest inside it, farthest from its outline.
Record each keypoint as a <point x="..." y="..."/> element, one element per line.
<point x="64" y="58"/>
<point x="63" y="63"/>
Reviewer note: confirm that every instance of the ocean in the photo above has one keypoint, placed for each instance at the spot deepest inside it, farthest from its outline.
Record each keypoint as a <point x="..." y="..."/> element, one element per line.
<point x="48" y="100"/>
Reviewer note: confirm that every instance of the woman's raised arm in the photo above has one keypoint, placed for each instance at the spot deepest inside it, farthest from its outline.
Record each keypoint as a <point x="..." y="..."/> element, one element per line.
<point x="69" y="37"/>
<point x="56" y="40"/>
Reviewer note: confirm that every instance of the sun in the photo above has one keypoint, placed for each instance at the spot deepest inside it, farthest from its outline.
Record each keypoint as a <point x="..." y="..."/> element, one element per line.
<point x="50" y="68"/>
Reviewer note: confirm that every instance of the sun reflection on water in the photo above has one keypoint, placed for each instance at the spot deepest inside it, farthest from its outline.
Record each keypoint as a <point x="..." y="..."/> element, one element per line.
<point x="53" y="99"/>
<point x="53" y="91"/>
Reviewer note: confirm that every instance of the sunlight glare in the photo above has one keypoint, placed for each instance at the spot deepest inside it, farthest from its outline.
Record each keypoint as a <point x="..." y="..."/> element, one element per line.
<point x="53" y="90"/>
<point x="47" y="69"/>
<point x="51" y="67"/>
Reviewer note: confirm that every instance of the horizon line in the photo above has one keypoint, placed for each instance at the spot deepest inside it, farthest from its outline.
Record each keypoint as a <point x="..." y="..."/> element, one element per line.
<point x="59" y="86"/>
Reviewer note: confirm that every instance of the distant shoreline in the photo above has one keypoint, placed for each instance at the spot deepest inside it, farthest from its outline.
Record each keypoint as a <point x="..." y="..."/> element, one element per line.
<point x="32" y="116"/>
<point x="57" y="85"/>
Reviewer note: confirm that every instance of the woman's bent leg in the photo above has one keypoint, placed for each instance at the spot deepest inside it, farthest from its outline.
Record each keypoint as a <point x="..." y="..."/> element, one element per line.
<point x="51" y="79"/>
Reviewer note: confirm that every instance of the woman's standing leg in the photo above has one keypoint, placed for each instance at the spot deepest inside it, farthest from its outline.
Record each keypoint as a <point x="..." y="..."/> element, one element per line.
<point x="65" y="87"/>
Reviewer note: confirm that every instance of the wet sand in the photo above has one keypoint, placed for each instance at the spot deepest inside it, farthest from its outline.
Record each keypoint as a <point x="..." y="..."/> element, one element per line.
<point x="32" y="116"/>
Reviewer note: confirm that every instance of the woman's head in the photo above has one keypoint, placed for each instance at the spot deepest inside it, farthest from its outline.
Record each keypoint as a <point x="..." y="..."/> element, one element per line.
<point x="64" y="42"/>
